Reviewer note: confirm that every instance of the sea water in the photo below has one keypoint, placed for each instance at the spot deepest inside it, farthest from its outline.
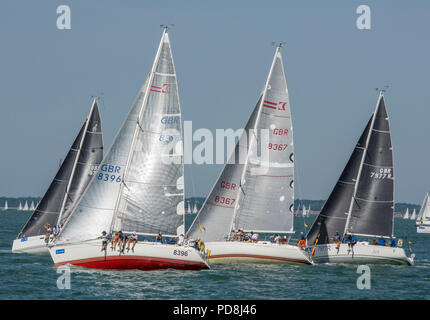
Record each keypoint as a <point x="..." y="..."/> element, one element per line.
<point x="24" y="276"/>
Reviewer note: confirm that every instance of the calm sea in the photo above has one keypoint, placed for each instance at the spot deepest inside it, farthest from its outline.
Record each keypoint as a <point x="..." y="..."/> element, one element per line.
<point x="25" y="276"/>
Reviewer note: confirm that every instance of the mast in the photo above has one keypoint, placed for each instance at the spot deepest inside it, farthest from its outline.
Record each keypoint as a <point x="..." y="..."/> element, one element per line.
<point x="139" y="117"/>
<point x="66" y="194"/>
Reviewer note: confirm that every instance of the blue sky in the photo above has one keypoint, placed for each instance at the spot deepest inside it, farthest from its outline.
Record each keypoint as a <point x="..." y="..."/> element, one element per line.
<point x="222" y="52"/>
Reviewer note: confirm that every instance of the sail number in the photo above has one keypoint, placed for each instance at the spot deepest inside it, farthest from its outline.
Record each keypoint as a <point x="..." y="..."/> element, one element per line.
<point x="382" y="174"/>
<point x="276" y="146"/>
<point x="224" y="200"/>
<point x="110" y="173"/>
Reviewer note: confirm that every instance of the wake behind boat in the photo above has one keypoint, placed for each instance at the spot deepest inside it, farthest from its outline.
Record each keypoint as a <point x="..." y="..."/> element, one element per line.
<point x="139" y="188"/>
<point x="68" y="185"/>
<point x="255" y="195"/>
<point x="361" y="204"/>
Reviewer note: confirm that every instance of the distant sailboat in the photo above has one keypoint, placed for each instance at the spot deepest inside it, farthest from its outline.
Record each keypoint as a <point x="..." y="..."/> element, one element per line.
<point x="362" y="202"/>
<point x="6" y="207"/>
<point x="69" y="183"/>
<point x="309" y="210"/>
<point x="414" y="215"/>
<point x="32" y="207"/>
<point x="139" y="188"/>
<point x="423" y="219"/>
<point x="255" y="195"/>
<point x="406" y="216"/>
<point x="189" y="208"/>
<point x="195" y="208"/>
<point x="20" y="206"/>
<point x="25" y="206"/>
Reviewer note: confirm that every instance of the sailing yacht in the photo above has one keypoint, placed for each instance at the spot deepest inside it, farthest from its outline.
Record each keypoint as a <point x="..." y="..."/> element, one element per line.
<point x="71" y="179"/>
<point x="414" y="215"/>
<point x="255" y="195"/>
<point x="20" y="206"/>
<point x="189" y="208"/>
<point x="423" y="219"/>
<point x="25" y="206"/>
<point x="6" y="207"/>
<point x="406" y="216"/>
<point x="139" y="188"/>
<point x="362" y="202"/>
<point x="32" y="207"/>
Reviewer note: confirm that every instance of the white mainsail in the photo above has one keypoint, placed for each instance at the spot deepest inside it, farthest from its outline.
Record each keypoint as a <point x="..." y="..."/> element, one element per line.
<point x="32" y="207"/>
<point x="6" y="207"/>
<point x="140" y="185"/>
<point x="189" y="208"/>
<point x="406" y="216"/>
<point x="20" y="206"/>
<point x="195" y="210"/>
<point x="256" y="194"/>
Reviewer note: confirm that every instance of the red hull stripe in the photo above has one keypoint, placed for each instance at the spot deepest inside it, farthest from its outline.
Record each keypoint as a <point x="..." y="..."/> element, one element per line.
<point x="135" y="262"/>
<point x="257" y="256"/>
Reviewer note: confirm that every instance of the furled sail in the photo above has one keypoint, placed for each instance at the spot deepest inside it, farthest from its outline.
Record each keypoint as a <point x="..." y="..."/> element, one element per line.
<point x="256" y="194"/>
<point x="139" y="186"/>
<point x="72" y="177"/>
<point x="424" y="214"/>
<point x="362" y="201"/>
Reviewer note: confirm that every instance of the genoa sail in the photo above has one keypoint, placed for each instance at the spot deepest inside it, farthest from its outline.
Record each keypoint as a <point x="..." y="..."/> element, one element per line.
<point x="72" y="177"/>
<point x="256" y="194"/>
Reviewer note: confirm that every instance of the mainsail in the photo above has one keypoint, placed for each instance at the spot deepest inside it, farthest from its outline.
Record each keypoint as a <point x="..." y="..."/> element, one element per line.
<point x="406" y="216"/>
<point x="140" y="185"/>
<point x="424" y="214"/>
<point x="414" y="215"/>
<point x="362" y="202"/>
<point x="254" y="191"/>
<point x="72" y="177"/>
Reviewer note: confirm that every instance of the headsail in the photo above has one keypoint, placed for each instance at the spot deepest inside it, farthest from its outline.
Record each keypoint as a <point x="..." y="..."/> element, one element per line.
<point x="256" y="194"/>
<point x="140" y="185"/>
<point x="424" y="214"/>
<point x="72" y="177"/>
<point x="362" y="200"/>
